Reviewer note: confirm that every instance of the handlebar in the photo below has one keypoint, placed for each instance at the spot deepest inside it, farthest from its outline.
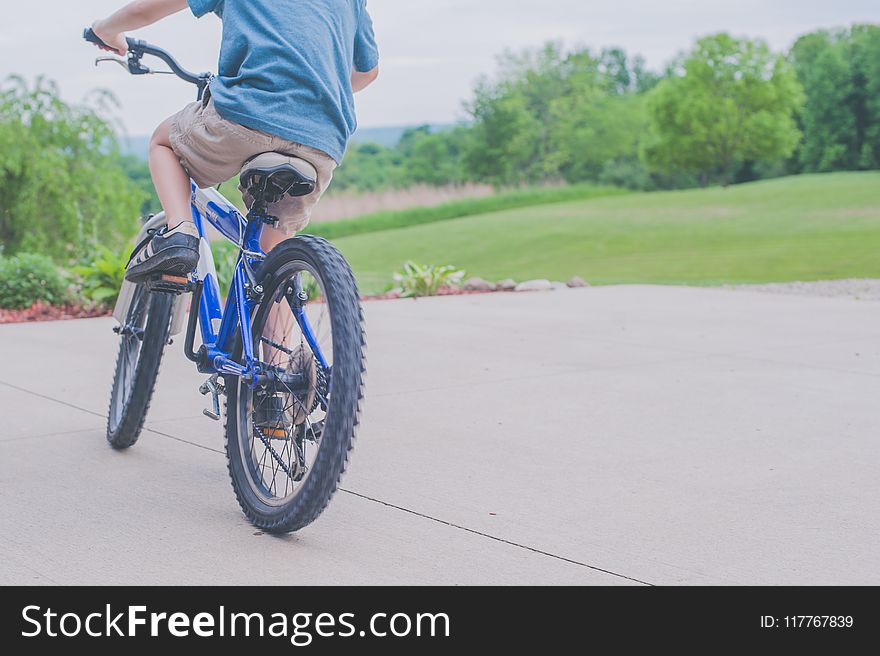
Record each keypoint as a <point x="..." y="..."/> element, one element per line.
<point x="138" y="48"/>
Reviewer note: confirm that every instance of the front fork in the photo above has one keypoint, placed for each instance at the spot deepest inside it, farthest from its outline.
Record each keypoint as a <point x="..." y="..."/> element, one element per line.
<point x="297" y="301"/>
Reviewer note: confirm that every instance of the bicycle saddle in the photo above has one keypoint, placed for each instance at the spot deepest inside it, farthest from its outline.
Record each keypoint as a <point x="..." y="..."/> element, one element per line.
<point x="271" y="176"/>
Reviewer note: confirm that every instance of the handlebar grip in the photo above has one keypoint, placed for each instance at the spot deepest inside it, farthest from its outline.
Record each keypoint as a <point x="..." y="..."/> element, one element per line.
<point x="90" y="36"/>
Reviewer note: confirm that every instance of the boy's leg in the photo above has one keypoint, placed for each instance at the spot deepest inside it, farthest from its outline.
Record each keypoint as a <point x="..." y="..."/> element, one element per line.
<point x="272" y="237"/>
<point x="175" y="252"/>
<point x="171" y="180"/>
<point x="279" y="325"/>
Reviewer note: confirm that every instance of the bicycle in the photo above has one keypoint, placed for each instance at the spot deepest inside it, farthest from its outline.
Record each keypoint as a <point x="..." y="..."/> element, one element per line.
<point x="286" y="351"/>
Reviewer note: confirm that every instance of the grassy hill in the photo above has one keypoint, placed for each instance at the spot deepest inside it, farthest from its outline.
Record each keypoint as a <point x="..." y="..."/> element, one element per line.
<point x="801" y="228"/>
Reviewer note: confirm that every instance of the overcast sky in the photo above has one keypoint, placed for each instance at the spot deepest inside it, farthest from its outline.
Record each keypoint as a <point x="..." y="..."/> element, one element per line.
<point x="432" y="51"/>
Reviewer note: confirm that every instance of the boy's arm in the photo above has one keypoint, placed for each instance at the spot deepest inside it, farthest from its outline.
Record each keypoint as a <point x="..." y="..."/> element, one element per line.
<point x="360" y="81"/>
<point x="133" y="16"/>
<point x="366" y="52"/>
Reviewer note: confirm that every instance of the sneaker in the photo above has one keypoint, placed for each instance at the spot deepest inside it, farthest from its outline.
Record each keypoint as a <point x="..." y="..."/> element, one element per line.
<point x="167" y="252"/>
<point x="271" y="416"/>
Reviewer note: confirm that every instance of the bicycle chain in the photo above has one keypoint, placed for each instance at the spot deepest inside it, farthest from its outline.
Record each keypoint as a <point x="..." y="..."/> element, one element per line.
<point x="277" y="346"/>
<point x="274" y="453"/>
<point x="322" y="389"/>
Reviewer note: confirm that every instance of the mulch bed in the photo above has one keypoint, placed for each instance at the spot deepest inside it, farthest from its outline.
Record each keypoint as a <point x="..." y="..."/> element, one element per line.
<point x="41" y="311"/>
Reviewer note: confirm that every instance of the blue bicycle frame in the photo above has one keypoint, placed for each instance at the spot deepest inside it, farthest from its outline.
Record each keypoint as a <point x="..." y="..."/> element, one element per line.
<point x="220" y="326"/>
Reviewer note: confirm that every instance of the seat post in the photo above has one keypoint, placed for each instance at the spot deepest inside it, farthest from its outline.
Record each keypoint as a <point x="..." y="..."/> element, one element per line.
<point x="260" y="208"/>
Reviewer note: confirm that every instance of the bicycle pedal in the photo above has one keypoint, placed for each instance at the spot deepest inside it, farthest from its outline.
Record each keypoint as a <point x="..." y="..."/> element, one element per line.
<point x="168" y="284"/>
<point x="211" y="387"/>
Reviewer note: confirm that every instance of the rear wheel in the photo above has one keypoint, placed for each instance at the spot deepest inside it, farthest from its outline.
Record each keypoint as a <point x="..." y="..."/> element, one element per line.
<point x="288" y="444"/>
<point x="142" y="343"/>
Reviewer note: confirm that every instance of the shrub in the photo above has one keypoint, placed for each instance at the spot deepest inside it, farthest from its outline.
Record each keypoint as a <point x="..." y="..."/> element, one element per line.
<point x="102" y="278"/>
<point x="628" y="174"/>
<point x="27" y="278"/>
<point x="225" y="259"/>
<point x="61" y="187"/>
<point x="426" y="280"/>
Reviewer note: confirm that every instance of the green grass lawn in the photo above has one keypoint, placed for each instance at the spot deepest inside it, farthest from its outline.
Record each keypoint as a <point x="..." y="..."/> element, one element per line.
<point x="508" y="200"/>
<point x="801" y="228"/>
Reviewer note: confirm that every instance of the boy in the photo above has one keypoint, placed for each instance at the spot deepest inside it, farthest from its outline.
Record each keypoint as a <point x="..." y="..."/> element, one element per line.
<point x="288" y="69"/>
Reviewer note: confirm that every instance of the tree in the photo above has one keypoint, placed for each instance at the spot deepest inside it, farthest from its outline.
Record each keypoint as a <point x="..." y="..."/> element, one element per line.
<point x="614" y="64"/>
<point x="624" y="74"/>
<point x="62" y="190"/>
<point x="367" y="167"/>
<point x="728" y="100"/>
<point x="866" y="73"/>
<point x="553" y="115"/>
<point x="138" y="171"/>
<point x="506" y="148"/>
<point x="840" y="73"/>
<point x="593" y="129"/>
<point x="512" y="141"/>
<point x="434" y="158"/>
<point x="645" y="80"/>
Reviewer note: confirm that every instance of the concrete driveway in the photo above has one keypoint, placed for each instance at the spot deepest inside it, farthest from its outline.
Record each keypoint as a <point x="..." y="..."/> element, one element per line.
<point x="625" y="435"/>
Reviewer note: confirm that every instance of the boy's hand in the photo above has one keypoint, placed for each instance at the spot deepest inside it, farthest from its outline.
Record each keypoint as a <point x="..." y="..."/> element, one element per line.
<point x="117" y="41"/>
<point x="133" y="16"/>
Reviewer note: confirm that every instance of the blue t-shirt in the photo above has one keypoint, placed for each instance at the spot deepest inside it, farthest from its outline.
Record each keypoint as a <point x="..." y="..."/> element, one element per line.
<point x="285" y="66"/>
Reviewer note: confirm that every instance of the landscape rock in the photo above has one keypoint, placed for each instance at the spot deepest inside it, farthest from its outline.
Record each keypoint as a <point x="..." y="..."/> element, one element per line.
<point x="535" y="286"/>
<point x="577" y="282"/>
<point x="507" y="285"/>
<point x="559" y="286"/>
<point x="479" y="285"/>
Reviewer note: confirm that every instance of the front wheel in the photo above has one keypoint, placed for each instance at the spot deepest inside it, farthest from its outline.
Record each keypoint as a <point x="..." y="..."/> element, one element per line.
<point x="142" y="343"/>
<point x="288" y="444"/>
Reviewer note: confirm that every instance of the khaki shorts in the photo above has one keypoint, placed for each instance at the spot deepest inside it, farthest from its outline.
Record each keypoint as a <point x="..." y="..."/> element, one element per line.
<point x="213" y="150"/>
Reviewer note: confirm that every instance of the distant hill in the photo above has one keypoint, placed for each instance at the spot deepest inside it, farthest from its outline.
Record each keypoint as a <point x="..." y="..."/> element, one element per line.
<point x="390" y="136"/>
<point x="386" y="136"/>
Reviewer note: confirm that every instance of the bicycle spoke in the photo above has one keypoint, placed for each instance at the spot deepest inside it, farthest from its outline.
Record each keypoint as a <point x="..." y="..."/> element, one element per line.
<point x="263" y="459"/>
<point x="273" y="453"/>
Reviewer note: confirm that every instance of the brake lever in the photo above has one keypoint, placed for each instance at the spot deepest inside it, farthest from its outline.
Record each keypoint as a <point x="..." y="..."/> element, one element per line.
<point x="115" y="60"/>
<point x="131" y="65"/>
